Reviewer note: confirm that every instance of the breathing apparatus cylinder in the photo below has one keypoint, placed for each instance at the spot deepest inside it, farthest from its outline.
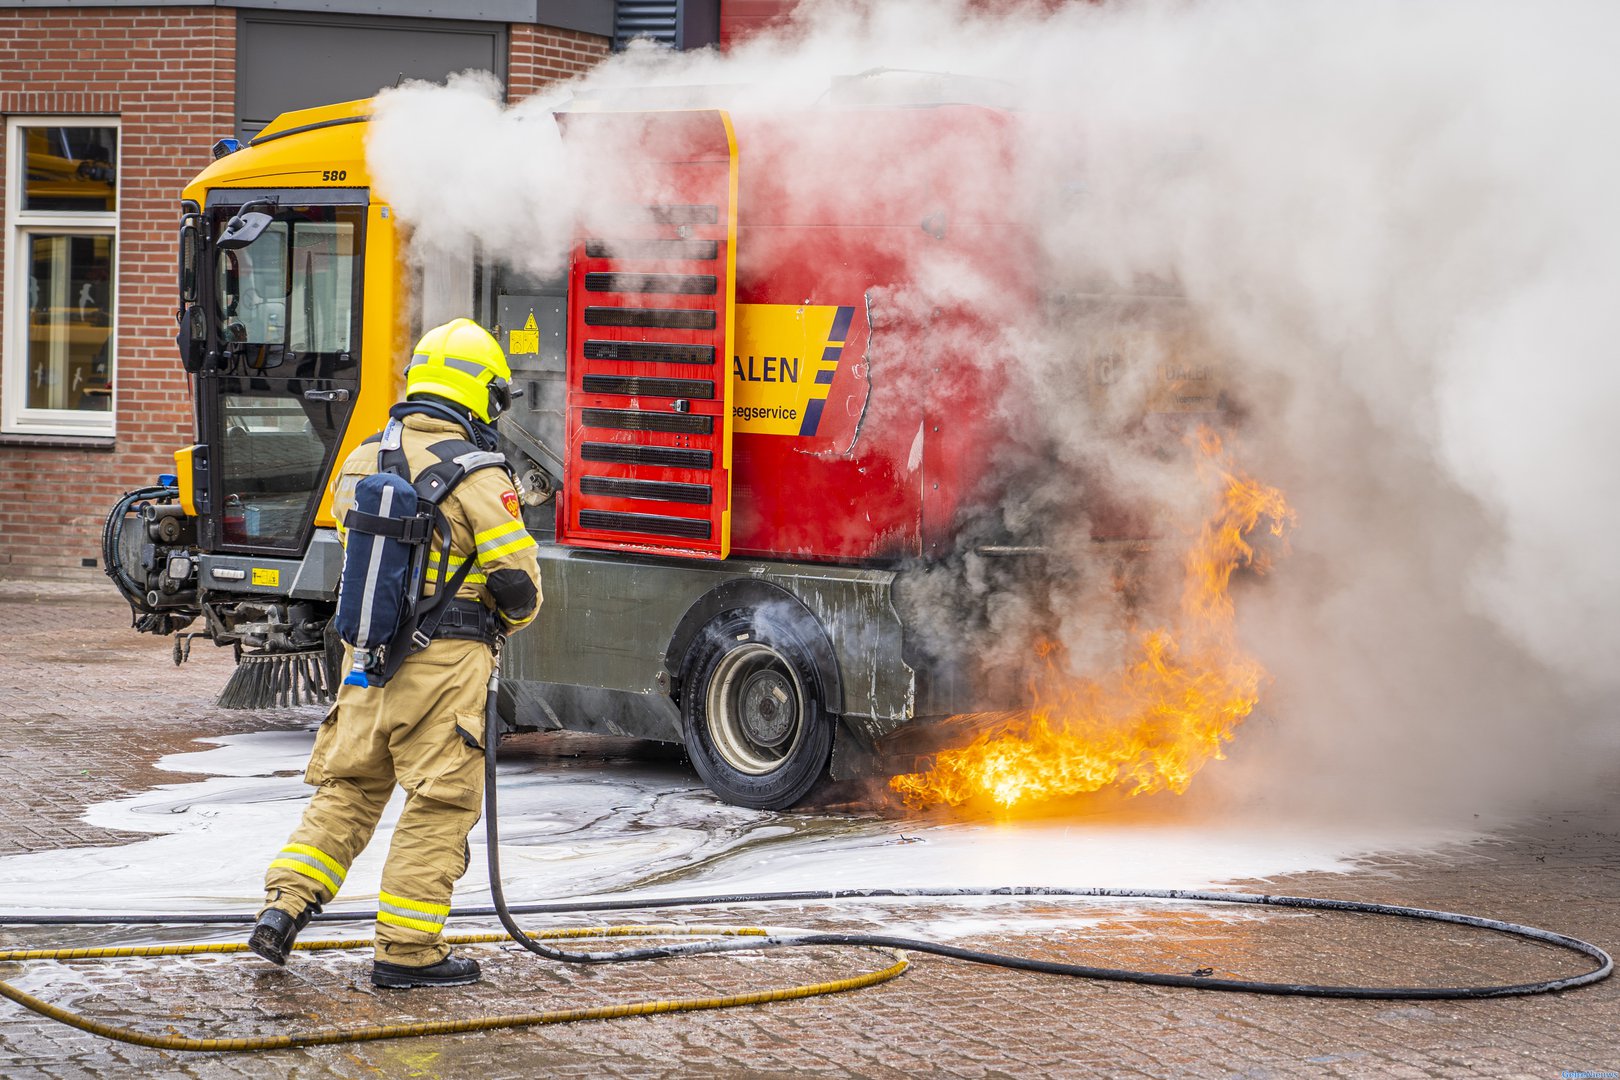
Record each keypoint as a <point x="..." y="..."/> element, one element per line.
<point x="375" y="592"/>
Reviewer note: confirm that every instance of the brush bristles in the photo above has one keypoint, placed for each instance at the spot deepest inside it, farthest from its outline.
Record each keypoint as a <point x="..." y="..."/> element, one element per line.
<point x="277" y="680"/>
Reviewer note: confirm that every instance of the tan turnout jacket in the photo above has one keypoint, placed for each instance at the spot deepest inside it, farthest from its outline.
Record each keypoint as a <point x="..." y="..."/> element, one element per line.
<point x="485" y="522"/>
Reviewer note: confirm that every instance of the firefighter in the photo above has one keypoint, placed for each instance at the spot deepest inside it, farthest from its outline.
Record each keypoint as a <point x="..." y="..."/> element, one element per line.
<point x="423" y="728"/>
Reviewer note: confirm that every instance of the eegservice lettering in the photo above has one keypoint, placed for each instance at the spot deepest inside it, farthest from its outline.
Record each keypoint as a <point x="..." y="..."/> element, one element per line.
<point x="753" y="412"/>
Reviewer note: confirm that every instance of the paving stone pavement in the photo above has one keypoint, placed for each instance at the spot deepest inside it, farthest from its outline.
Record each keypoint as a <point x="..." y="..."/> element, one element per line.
<point x="87" y="707"/>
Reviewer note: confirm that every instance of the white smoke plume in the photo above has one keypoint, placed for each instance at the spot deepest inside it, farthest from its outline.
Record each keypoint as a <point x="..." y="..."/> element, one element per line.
<point x="1396" y="222"/>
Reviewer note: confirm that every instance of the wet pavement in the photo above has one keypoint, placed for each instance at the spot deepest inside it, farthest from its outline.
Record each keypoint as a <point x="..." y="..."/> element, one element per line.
<point x="91" y="822"/>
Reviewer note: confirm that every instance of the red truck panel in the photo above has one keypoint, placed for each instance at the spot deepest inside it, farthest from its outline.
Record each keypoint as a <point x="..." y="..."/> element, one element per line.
<point x="862" y="209"/>
<point x="863" y="392"/>
<point x="649" y="331"/>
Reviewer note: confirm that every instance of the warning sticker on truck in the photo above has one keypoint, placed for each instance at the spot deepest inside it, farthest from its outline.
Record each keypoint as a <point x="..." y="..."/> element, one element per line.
<point x="783" y="365"/>
<point x="525" y="341"/>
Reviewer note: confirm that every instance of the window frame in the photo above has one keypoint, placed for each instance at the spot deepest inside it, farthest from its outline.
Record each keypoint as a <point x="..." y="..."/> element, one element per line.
<point x="17" y="417"/>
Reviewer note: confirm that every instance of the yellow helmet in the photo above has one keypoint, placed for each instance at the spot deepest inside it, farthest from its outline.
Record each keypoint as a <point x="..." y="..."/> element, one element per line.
<point x="462" y="363"/>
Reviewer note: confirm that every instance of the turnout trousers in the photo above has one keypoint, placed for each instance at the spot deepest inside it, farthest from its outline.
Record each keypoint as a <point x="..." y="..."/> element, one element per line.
<point x="424" y="732"/>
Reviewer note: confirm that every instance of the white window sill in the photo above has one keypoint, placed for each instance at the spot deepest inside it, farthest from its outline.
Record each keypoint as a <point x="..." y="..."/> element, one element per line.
<point x="59" y="442"/>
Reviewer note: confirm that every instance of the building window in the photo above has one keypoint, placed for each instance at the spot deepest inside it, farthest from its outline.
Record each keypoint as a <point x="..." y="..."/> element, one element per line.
<point x="61" y="260"/>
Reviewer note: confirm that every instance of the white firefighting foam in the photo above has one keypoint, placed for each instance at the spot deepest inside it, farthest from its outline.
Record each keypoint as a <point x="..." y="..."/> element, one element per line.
<point x="599" y="827"/>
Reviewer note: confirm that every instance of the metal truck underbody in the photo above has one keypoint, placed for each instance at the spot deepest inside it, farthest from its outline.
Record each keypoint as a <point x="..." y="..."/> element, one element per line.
<point x="607" y="652"/>
<point x="611" y="661"/>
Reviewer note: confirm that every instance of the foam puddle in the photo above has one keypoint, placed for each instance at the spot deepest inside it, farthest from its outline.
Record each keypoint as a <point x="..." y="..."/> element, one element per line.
<point x="575" y="829"/>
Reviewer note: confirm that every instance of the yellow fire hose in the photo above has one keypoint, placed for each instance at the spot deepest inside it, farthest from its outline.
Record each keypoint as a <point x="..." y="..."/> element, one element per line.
<point x="372" y="1032"/>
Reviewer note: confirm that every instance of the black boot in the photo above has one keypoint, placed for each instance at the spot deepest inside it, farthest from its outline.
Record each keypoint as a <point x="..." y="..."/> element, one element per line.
<point x="274" y="933"/>
<point x="451" y="971"/>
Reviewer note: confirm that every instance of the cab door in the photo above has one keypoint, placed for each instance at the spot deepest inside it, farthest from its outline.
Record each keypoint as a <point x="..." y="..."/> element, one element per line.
<point x="283" y="371"/>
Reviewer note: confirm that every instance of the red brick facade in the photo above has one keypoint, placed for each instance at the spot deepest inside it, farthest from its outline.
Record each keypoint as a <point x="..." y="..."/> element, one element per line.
<point x="168" y="74"/>
<point x="540" y="55"/>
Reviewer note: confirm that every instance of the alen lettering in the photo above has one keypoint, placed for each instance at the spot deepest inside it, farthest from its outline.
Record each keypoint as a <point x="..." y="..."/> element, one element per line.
<point x="777" y="369"/>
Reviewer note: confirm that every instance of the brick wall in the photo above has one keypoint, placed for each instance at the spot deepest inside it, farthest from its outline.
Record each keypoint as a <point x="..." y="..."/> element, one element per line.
<point x="541" y="55"/>
<point x="169" y="75"/>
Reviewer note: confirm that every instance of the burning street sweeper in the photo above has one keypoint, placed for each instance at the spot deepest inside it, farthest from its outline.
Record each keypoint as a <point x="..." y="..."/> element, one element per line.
<point x="761" y="427"/>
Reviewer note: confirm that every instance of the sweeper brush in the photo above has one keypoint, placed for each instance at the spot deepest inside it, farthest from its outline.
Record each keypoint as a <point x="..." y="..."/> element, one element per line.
<point x="268" y="680"/>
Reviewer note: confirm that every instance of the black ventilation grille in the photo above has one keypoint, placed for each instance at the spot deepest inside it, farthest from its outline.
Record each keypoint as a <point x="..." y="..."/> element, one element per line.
<point x="637" y="420"/>
<point x="661" y="318"/>
<point x="685" y="284"/>
<point x="684" y="214"/>
<point x="640" y="386"/>
<point x="649" y="352"/>
<point x="672" y="457"/>
<point x="656" y="19"/>
<point x="657" y="524"/>
<point x="692" y="250"/>
<point x="660" y="490"/>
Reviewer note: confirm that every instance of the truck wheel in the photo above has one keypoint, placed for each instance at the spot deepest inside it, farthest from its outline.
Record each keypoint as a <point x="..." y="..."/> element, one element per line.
<point x="752" y="715"/>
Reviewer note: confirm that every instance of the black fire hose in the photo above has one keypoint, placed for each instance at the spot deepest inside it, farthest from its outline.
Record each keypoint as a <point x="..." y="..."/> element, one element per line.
<point x="1605" y="964"/>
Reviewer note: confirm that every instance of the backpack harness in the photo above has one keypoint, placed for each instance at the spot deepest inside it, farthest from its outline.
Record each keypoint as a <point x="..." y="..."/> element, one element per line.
<point x="382" y="611"/>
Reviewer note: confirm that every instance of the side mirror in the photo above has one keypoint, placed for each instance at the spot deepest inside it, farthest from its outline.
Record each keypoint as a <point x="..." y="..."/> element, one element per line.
<point x="243" y="229"/>
<point x="190" y="256"/>
<point x="193" y="339"/>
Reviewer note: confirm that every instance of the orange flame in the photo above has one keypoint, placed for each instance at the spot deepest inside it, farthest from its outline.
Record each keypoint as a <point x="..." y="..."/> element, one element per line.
<point x="1153" y="723"/>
